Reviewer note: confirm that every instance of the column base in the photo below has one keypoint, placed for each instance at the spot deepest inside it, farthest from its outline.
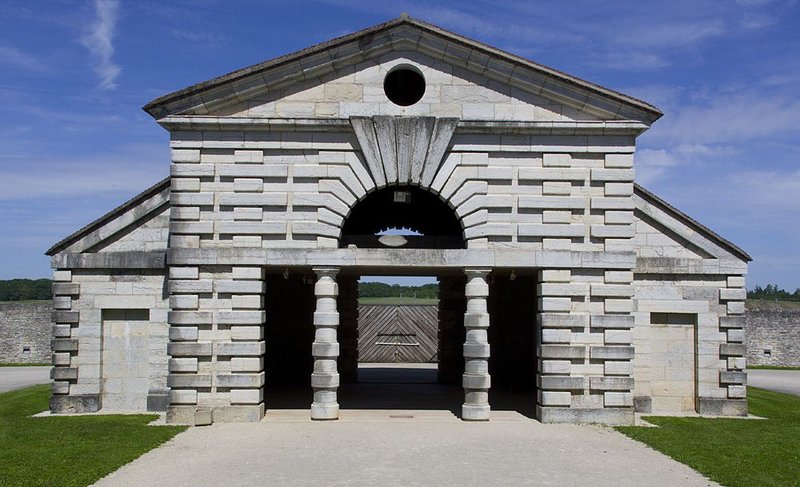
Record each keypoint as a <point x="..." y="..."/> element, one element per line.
<point x="204" y="415"/>
<point x="324" y="411"/>
<point x="157" y="402"/>
<point x="471" y="412"/>
<point x="609" y="416"/>
<point x="722" y="407"/>
<point x="63" y="404"/>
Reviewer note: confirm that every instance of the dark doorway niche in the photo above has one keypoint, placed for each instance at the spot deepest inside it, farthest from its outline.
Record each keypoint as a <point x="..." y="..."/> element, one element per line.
<point x="404" y="217"/>
<point x="512" y="306"/>
<point x="289" y="329"/>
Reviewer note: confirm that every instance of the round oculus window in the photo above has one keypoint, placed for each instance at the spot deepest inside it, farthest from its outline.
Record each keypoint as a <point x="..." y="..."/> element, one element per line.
<point x="404" y="86"/>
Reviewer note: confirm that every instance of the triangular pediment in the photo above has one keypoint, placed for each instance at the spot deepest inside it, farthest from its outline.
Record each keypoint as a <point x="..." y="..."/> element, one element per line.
<point x="140" y="224"/>
<point x="664" y="231"/>
<point x="488" y="78"/>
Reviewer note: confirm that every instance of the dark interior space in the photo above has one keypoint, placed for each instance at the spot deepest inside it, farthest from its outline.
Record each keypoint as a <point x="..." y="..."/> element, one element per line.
<point x="429" y="222"/>
<point x="289" y="330"/>
<point x="512" y="336"/>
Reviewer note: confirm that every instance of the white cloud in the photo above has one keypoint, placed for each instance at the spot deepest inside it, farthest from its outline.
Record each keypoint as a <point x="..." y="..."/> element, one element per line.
<point x="130" y="170"/>
<point x="11" y="56"/>
<point x="100" y="42"/>
<point x="651" y="164"/>
<point x="734" y="117"/>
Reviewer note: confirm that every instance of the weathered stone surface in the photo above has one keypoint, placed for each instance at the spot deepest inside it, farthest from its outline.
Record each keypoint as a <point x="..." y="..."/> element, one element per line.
<point x="74" y="404"/>
<point x="722" y="407"/>
<point x="772" y="336"/>
<point x="610" y="416"/>
<point x="25" y="332"/>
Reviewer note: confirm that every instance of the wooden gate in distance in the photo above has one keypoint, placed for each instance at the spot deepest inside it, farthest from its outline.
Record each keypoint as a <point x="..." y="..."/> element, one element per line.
<point x="398" y="333"/>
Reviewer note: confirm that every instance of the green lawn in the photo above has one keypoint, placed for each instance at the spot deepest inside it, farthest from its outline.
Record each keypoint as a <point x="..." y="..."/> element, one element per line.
<point x="734" y="451"/>
<point x="397" y="300"/>
<point x="68" y="451"/>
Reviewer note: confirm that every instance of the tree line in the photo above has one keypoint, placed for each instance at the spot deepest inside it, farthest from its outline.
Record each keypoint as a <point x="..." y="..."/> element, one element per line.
<point x="25" y="289"/>
<point x="383" y="290"/>
<point x="773" y="293"/>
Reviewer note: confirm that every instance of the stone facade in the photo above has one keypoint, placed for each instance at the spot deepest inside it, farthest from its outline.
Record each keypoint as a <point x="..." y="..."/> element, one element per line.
<point x="295" y="166"/>
<point x="25" y="333"/>
<point x="773" y="336"/>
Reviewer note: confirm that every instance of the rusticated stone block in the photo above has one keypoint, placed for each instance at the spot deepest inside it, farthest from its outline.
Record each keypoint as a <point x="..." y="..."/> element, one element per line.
<point x="562" y="352"/>
<point x="65" y="345"/>
<point x="736" y="349"/>
<point x="611" y="383"/>
<point x="64" y="373"/>
<point x="618" y="399"/>
<point x="611" y="353"/>
<point x="561" y="383"/>
<point x="88" y="403"/>
<point x="241" y="380"/>
<point x="66" y="289"/>
<point x="722" y="407"/>
<point x="189" y="317"/>
<point x="189" y="349"/>
<point x="609" y="416"/>
<point x="189" y="381"/>
<point x="65" y="316"/>
<point x="240" y="348"/>
<point x="555" y="398"/>
<point x="732" y="321"/>
<point x="563" y="320"/>
<point x="732" y="377"/>
<point x="612" y="321"/>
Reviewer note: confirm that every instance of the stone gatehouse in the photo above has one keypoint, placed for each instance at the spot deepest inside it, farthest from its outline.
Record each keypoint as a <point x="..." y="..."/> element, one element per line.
<point x="514" y="184"/>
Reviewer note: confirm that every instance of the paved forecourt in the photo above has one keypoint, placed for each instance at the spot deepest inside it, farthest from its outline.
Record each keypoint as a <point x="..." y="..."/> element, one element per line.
<point x="786" y="381"/>
<point x="380" y="447"/>
<point x="18" y="377"/>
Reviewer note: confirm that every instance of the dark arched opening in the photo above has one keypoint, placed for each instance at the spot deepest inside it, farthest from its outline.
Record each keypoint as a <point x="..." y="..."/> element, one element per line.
<point x="404" y="217"/>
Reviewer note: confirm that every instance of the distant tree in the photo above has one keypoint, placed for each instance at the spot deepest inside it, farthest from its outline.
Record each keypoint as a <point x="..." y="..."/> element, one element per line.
<point x="773" y="293"/>
<point x="25" y="289"/>
<point x="383" y="290"/>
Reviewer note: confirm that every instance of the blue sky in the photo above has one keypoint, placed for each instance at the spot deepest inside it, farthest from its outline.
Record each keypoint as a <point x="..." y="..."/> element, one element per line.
<point x="74" y="74"/>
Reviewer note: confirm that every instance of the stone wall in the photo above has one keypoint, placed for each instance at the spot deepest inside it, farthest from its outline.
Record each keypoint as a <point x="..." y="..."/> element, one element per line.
<point x="773" y="337"/>
<point x="25" y="332"/>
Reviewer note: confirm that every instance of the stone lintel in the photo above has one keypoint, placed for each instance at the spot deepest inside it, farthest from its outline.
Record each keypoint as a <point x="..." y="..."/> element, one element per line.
<point x="403" y="258"/>
<point x="109" y="260"/>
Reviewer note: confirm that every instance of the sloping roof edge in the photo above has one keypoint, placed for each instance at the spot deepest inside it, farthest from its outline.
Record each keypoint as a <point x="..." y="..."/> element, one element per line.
<point x="152" y="107"/>
<point x="691" y="222"/>
<point x="128" y="205"/>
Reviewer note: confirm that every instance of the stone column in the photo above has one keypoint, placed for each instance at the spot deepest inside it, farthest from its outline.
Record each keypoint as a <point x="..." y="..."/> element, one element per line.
<point x="325" y="377"/>
<point x="476" y="379"/>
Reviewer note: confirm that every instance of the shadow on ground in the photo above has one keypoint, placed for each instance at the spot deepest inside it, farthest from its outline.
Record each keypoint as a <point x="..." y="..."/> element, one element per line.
<point x="393" y="387"/>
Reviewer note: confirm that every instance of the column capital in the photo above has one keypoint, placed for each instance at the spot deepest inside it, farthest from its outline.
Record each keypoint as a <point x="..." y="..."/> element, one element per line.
<point x="477" y="271"/>
<point x="326" y="271"/>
